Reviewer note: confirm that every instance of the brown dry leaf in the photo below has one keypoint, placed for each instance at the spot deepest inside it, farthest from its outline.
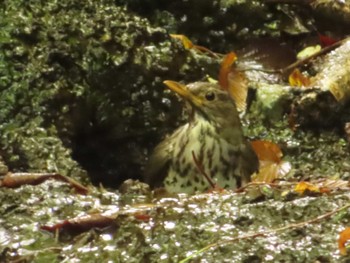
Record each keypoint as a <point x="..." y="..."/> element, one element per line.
<point x="101" y="220"/>
<point x="238" y="89"/>
<point x="344" y="237"/>
<point x="82" y="223"/>
<point x="297" y="79"/>
<point x="225" y="69"/>
<point x="271" y="166"/>
<point x="267" y="151"/>
<point x="233" y="81"/>
<point x="328" y="185"/>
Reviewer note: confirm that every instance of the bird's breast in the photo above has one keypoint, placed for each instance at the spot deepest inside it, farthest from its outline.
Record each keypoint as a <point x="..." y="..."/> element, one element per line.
<point x="217" y="157"/>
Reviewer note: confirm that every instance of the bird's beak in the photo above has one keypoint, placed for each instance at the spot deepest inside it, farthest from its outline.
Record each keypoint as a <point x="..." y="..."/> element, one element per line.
<point x="183" y="92"/>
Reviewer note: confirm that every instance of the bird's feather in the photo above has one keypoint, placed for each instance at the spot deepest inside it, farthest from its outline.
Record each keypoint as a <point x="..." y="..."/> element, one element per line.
<point x="158" y="164"/>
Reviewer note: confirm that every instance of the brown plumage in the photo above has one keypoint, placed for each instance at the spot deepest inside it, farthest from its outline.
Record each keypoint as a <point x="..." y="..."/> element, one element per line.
<point x="214" y="134"/>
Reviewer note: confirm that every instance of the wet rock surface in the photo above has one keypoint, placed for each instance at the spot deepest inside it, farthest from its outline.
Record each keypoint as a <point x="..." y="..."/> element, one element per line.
<point x="82" y="95"/>
<point x="85" y="80"/>
<point x="237" y="228"/>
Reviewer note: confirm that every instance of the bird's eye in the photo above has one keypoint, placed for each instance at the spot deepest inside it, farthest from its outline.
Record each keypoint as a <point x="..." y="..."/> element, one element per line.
<point x="210" y="96"/>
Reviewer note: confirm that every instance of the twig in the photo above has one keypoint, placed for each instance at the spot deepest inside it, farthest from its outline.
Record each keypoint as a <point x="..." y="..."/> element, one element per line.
<point x="206" y="50"/>
<point x="299" y="62"/>
<point x="266" y="233"/>
<point x="201" y="170"/>
<point x="307" y="59"/>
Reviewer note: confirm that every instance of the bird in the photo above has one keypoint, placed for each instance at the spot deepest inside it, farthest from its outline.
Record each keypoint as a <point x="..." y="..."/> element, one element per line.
<point x="212" y="139"/>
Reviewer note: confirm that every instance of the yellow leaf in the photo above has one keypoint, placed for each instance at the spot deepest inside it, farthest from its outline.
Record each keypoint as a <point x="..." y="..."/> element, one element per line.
<point x="297" y="79"/>
<point x="185" y="40"/>
<point x="308" y="51"/>
<point x="187" y="43"/>
<point x="301" y="187"/>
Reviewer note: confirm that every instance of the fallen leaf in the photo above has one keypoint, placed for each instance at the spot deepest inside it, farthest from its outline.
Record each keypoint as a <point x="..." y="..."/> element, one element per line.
<point x="225" y="69"/>
<point x="82" y="223"/>
<point x="308" y="51"/>
<point x="142" y="217"/>
<point x="233" y="81"/>
<point x="323" y="186"/>
<point x="326" y="40"/>
<point x="185" y="40"/>
<point x="297" y="79"/>
<point x="100" y="220"/>
<point x="301" y="187"/>
<point x="238" y="89"/>
<point x="344" y="237"/>
<point x="269" y="172"/>
<point x="267" y="151"/>
<point x="271" y="166"/>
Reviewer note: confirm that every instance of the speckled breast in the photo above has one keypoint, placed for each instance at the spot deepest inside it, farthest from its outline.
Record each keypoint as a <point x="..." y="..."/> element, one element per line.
<point x="218" y="158"/>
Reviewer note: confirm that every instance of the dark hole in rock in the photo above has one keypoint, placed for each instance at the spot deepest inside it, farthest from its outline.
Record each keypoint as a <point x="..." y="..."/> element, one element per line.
<point x="111" y="145"/>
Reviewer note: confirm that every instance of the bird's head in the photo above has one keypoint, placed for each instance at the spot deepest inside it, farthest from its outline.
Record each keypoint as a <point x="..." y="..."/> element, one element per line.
<point x="207" y="101"/>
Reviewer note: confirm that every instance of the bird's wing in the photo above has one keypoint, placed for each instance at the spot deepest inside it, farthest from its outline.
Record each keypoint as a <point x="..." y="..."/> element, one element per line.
<point x="158" y="164"/>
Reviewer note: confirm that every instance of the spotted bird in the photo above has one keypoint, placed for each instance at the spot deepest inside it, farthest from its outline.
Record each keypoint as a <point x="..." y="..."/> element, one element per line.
<point x="213" y="135"/>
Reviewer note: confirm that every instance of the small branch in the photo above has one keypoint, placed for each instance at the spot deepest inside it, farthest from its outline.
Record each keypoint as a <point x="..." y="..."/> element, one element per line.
<point x="299" y="62"/>
<point x="307" y="59"/>
<point x="201" y="170"/>
<point x="206" y="50"/>
<point x="266" y="233"/>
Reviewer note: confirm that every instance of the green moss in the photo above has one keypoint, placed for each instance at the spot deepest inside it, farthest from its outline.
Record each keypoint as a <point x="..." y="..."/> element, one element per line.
<point x="272" y="101"/>
<point x="85" y="79"/>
